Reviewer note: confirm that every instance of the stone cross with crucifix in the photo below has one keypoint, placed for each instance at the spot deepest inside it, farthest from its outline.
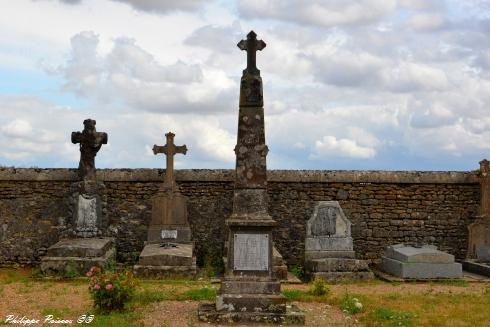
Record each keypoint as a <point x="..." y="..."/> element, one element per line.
<point x="169" y="149"/>
<point x="90" y="143"/>
<point x="251" y="94"/>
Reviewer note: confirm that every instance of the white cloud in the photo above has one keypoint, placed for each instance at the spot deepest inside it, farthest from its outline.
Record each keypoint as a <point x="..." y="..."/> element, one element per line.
<point x="332" y="147"/>
<point x="18" y="128"/>
<point x="132" y="75"/>
<point x="320" y="13"/>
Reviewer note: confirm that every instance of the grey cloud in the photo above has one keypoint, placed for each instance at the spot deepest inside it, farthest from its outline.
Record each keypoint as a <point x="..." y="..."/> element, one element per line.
<point x="130" y="75"/>
<point x="216" y="38"/>
<point x="318" y="13"/>
<point x="153" y="6"/>
<point x="164" y="6"/>
<point x="347" y="69"/>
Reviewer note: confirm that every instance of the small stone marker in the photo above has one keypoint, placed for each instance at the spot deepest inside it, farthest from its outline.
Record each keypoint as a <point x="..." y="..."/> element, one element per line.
<point x="169" y="250"/>
<point x="329" y="249"/>
<point x="424" y="262"/>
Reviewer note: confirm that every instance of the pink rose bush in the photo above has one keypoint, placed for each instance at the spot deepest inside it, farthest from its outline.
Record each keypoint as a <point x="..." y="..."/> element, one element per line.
<point x="111" y="290"/>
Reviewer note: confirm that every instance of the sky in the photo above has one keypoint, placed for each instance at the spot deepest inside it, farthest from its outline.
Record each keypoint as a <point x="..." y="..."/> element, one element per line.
<point x="365" y="85"/>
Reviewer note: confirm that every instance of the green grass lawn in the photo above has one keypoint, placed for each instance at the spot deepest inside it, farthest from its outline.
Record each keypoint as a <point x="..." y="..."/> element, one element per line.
<point x="373" y="303"/>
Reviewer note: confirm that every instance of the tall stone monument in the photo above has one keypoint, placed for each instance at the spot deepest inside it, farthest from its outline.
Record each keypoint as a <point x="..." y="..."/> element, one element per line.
<point x="249" y="291"/>
<point x="82" y="244"/>
<point x="169" y="249"/>
<point x="329" y="249"/>
<point x="478" y="256"/>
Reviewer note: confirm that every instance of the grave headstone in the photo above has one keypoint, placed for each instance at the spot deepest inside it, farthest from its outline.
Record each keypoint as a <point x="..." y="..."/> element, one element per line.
<point x="169" y="225"/>
<point x="477" y="258"/>
<point x="249" y="290"/>
<point x="82" y="244"/>
<point x="329" y="249"/>
<point x="419" y="262"/>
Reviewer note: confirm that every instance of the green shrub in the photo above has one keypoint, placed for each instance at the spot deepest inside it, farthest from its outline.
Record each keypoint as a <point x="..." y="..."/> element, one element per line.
<point x="293" y="295"/>
<point x="298" y="271"/>
<point x="351" y="304"/>
<point x="71" y="270"/>
<point x="319" y="287"/>
<point x="111" y="291"/>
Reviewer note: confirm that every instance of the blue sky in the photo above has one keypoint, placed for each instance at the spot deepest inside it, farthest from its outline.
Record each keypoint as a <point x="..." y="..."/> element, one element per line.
<point x="367" y="84"/>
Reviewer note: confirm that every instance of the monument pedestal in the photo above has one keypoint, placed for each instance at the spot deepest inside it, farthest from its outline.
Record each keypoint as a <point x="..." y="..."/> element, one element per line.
<point x="249" y="291"/>
<point x="79" y="255"/>
<point x="329" y="247"/>
<point x="82" y="245"/>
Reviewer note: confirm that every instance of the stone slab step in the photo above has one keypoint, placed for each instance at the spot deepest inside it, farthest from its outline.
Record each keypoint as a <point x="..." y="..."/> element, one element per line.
<point x="336" y="276"/>
<point x="336" y="264"/>
<point x="477" y="267"/>
<point x="155" y="255"/>
<point x="56" y="266"/>
<point x="207" y="313"/>
<point x="310" y="255"/>
<point x="247" y="302"/>
<point x="81" y="247"/>
<point x="255" y="287"/>
<point x="158" y="272"/>
<point x="421" y="270"/>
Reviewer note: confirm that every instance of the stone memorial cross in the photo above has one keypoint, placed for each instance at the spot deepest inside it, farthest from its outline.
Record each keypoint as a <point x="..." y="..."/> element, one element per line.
<point x="170" y="149"/>
<point x="251" y="45"/>
<point x="90" y="143"/>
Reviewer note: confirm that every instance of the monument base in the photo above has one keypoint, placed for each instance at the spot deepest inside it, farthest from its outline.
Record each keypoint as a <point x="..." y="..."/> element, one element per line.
<point x="421" y="270"/>
<point x="338" y="269"/>
<point x="476" y="267"/>
<point x="160" y="262"/>
<point x="77" y="256"/>
<point x="291" y="316"/>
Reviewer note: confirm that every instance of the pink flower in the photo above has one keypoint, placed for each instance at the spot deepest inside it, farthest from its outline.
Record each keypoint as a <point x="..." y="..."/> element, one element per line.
<point x="96" y="286"/>
<point x="89" y="274"/>
<point x="108" y="287"/>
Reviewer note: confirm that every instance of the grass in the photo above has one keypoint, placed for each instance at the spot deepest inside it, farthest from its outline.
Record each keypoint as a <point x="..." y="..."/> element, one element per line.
<point x="389" y="317"/>
<point x="448" y="303"/>
<point x="200" y="294"/>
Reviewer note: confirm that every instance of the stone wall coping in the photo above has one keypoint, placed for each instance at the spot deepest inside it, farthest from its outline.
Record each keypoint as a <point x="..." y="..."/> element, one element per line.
<point x="227" y="175"/>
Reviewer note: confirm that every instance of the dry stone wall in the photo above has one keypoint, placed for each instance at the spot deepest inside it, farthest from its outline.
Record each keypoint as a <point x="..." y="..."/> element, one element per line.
<point x="384" y="207"/>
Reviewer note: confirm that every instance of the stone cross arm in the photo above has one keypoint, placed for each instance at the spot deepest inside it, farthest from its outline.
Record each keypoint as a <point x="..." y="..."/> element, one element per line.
<point x="251" y="45"/>
<point x="96" y="138"/>
<point x="169" y="149"/>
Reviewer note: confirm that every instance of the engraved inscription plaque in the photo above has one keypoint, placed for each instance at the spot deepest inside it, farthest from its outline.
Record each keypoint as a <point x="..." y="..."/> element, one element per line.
<point x="166" y="233"/>
<point x="325" y="222"/>
<point x="87" y="213"/>
<point x="251" y="251"/>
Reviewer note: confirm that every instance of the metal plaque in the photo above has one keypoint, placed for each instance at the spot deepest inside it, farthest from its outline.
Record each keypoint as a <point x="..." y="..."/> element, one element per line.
<point x="169" y="233"/>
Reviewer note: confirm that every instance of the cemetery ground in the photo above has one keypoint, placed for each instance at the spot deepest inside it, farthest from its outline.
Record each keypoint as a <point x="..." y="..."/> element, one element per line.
<point x="174" y="302"/>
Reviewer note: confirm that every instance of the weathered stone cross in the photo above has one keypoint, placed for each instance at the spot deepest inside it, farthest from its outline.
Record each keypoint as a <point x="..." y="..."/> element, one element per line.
<point x="90" y="142"/>
<point x="170" y="149"/>
<point x="251" y="45"/>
